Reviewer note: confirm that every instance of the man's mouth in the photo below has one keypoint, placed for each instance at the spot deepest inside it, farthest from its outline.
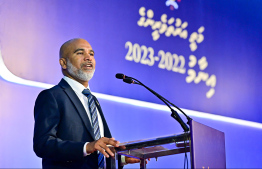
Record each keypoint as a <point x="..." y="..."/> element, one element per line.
<point x="88" y="66"/>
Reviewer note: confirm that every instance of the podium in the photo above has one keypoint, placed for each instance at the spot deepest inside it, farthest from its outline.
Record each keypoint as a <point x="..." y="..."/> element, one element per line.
<point x="205" y="144"/>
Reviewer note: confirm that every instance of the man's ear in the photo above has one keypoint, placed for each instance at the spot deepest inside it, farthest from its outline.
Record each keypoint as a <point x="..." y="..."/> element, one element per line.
<point x="62" y="62"/>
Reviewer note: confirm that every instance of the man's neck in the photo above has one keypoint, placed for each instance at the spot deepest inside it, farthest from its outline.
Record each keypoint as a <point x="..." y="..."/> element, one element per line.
<point x="84" y="83"/>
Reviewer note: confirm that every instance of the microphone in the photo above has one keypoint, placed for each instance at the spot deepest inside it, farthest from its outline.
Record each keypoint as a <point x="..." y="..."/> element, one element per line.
<point x="174" y="114"/>
<point x="121" y="76"/>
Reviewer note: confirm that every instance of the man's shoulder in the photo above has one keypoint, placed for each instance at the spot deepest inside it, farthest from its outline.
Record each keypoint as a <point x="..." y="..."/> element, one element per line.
<point x="59" y="87"/>
<point x="55" y="90"/>
<point x="50" y="92"/>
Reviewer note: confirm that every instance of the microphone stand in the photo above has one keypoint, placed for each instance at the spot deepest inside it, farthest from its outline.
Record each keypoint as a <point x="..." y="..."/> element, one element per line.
<point x="174" y="113"/>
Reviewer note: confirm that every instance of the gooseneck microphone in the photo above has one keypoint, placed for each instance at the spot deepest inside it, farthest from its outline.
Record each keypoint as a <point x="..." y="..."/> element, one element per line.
<point x="125" y="78"/>
<point x="131" y="80"/>
<point x="120" y="76"/>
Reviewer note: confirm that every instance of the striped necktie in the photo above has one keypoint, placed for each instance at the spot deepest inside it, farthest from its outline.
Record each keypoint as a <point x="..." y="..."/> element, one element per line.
<point x="94" y="119"/>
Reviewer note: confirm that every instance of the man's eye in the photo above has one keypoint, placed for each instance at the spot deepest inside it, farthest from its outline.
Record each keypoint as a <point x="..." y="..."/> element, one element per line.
<point x="91" y="54"/>
<point x="80" y="53"/>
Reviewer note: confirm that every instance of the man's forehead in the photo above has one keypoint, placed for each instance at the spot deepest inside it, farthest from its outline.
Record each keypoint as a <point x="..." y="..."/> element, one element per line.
<point x="81" y="44"/>
<point x="72" y="45"/>
<point x="84" y="49"/>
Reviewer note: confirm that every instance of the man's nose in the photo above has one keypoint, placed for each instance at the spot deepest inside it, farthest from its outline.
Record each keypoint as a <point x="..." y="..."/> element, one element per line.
<point x="87" y="57"/>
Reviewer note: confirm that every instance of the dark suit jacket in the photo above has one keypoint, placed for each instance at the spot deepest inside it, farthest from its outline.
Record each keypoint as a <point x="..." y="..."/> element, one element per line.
<point x="62" y="127"/>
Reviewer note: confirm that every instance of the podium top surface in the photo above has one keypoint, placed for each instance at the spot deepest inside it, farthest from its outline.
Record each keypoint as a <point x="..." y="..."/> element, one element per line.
<point x="155" y="141"/>
<point x="155" y="147"/>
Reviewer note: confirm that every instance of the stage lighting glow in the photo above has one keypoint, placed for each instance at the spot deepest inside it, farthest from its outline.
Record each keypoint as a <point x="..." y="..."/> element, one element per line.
<point x="10" y="77"/>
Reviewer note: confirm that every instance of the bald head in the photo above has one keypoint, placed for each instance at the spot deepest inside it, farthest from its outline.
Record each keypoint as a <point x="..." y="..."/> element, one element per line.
<point x="67" y="46"/>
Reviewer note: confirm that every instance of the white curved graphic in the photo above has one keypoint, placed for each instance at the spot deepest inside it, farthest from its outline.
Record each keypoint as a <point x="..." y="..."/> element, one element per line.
<point x="10" y="77"/>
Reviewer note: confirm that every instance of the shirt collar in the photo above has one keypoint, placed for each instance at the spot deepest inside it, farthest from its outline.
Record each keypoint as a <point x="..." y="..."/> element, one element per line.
<point x="75" y="85"/>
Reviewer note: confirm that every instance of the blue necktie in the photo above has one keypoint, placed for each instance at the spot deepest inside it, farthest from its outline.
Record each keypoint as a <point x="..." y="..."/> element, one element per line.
<point x="94" y="119"/>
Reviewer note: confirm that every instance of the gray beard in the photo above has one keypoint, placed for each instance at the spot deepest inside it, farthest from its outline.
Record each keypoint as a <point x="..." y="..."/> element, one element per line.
<point x="78" y="73"/>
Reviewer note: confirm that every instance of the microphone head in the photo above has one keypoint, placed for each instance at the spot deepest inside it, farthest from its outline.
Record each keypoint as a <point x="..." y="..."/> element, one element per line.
<point x="128" y="80"/>
<point x="120" y="76"/>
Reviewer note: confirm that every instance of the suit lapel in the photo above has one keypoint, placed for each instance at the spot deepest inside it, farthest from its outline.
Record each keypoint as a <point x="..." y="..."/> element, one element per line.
<point x="106" y="129"/>
<point x="78" y="105"/>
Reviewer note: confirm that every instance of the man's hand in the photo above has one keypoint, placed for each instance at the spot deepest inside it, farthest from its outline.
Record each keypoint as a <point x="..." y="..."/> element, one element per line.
<point x="101" y="145"/>
<point x="130" y="160"/>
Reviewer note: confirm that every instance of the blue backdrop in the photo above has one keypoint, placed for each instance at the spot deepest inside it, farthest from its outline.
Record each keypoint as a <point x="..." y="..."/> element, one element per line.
<point x="201" y="55"/>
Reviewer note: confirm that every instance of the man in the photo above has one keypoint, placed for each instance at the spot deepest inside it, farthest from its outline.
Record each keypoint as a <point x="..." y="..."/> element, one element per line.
<point x="68" y="132"/>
